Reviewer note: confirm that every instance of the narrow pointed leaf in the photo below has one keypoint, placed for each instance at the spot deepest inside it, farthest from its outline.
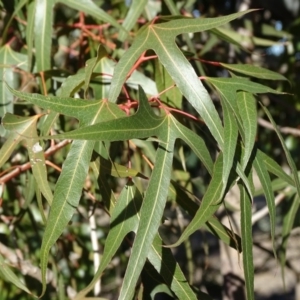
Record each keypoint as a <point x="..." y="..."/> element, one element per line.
<point x="163" y="261"/>
<point x="135" y="11"/>
<point x="246" y="235"/>
<point x="14" y="137"/>
<point x="274" y="168"/>
<point x="266" y="183"/>
<point x="240" y="84"/>
<point x="68" y="189"/>
<point x="187" y="81"/>
<point x="254" y="71"/>
<point x="43" y="20"/>
<point x="7" y="274"/>
<point x="30" y="32"/>
<point x="151" y="214"/>
<point x="242" y="40"/>
<point x="230" y="136"/>
<point x="77" y="108"/>
<point x="210" y="202"/>
<point x="115" y="169"/>
<point x="286" y="151"/>
<point x="213" y="225"/>
<point x="90" y="66"/>
<point x="247" y="111"/>
<point x="196" y="143"/>
<point x="191" y="25"/>
<point x="9" y="59"/>
<point x="287" y="226"/>
<point x="124" y="219"/>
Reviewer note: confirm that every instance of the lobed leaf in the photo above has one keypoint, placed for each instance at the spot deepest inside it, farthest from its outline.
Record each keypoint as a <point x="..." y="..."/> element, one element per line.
<point x="68" y="188"/>
<point x="151" y="212"/>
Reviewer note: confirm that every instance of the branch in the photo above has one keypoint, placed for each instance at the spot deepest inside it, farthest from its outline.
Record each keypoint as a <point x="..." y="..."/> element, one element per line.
<point x="285" y="130"/>
<point x="22" y="168"/>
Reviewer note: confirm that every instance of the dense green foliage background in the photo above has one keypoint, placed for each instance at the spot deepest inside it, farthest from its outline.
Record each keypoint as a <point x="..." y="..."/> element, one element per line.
<point x="127" y="125"/>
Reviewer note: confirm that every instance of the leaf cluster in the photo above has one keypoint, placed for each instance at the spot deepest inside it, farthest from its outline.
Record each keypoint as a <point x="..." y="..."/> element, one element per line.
<point x="115" y="136"/>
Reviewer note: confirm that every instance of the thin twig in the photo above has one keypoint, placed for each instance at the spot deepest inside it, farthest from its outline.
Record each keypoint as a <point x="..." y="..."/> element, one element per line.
<point x="22" y="168"/>
<point x="285" y="130"/>
<point x="265" y="210"/>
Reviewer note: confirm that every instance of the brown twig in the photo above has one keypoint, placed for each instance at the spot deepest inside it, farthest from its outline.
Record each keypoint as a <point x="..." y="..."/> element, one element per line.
<point x="22" y="168"/>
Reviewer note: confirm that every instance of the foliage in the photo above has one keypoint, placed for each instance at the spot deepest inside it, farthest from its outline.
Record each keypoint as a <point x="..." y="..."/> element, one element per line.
<point x="121" y="132"/>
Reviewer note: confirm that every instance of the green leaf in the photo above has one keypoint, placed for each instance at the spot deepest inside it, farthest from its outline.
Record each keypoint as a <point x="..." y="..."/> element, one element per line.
<point x="195" y="142"/>
<point x="8" y="275"/>
<point x="243" y="40"/>
<point x="151" y="212"/>
<point x="254" y="71"/>
<point x="135" y="10"/>
<point x="115" y="169"/>
<point x="30" y="32"/>
<point x="163" y="261"/>
<point x="9" y="60"/>
<point x="90" y="66"/>
<point x="210" y="202"/>
<point x="183" y="198"/>
<point x="14" y="137"/>
<point x="286" y="151"/>
<point x="274" y="168"/>
<point x="173" y="96"/>
<point x="266" y="183"/>
<point x="43" y="33"/>
<point x="24" y="128"/>
<point x="247" y="110"/>
<point x="69" y="186"/>
<point x="230" y="136"/>
<point x="161" y="38"/>
<point x="246" y="235"/>
<point x="232" y="85"/>
<point x="124" y="219"/>
<point x="292" y="206"/>
<point x="115" y="130"/>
